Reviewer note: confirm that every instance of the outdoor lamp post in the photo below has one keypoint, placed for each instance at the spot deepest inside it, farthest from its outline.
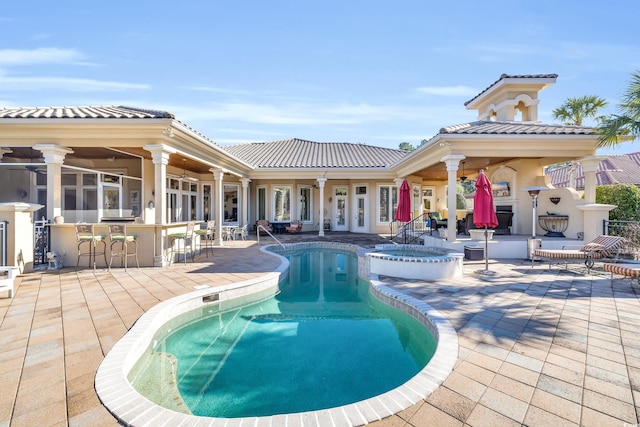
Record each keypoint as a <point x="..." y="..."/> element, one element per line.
<point x="533" y="192"/>
<point x="533" y="243"/>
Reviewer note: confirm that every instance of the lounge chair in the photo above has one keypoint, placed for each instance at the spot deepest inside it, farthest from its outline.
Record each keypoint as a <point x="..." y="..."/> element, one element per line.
<point x="601" y="247"/>
<point x="631" y="271"/>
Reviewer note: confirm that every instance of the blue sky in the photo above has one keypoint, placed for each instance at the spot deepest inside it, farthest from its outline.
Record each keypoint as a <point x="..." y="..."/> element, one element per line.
<point x="373" y="72"/>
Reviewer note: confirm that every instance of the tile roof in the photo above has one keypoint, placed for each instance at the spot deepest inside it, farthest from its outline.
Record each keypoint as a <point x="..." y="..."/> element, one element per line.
<point x="618" y="169"/>
<point x="512" y="76"/>
<point x="514" y="128"/>
<point x="299" y="153"/>
<point x="101" y="112"/>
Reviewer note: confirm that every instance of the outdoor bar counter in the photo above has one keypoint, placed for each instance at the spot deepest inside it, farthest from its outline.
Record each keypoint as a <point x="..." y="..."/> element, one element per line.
<point x="150" y="238"/>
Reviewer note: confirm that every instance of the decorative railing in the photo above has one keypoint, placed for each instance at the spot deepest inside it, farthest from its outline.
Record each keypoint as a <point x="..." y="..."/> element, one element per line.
<point x="411" y="231"/>
<point x="630" y="230"/>
<point x="41" y="239"/>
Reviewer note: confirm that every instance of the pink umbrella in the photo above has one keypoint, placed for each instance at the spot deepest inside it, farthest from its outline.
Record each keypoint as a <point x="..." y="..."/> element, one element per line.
<point x="403" y="212"/>
<point x="484" y="214"/>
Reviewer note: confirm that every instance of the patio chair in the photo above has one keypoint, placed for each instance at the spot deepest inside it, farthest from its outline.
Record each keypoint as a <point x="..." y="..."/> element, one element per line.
<point x="187" y="239"/>
<point x="118" y="236"/>
<point x="206" y="234"/>
<point x="7" y="276"/>
<point x="294" y="227"/>
<point x="240" y="232"/>
<point x="264" y="223"/>
<point x="601" y="247"/>
<point x="87" y="238"/>
<point x="437" y="220"/>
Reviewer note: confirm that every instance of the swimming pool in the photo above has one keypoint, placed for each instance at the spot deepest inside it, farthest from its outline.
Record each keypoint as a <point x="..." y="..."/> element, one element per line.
<point x="321" y="342"/>
<point x="126" y="403"/>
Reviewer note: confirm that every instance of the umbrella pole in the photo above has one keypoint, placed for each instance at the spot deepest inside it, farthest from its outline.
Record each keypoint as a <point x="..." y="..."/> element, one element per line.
<point x="486" y="249"/>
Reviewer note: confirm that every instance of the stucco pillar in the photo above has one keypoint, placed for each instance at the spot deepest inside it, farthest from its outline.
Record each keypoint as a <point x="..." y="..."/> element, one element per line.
<point x="452" y="161"/>
<point x="321" y="182"/>
<point x="590" y="166"/>
<point x="160" y="154"/>
<point x="218" y="176"/>
<point x="594" y="214"/>
<point x="245" y="200"/>
<point x="54" y="158"/>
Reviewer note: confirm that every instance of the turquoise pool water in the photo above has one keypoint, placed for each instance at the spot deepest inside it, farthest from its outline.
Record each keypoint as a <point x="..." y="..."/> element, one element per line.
<point x="323" y="341"/>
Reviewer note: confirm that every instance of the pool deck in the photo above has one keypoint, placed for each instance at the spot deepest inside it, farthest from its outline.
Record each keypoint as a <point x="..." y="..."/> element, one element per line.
<point x="537" y="347"/>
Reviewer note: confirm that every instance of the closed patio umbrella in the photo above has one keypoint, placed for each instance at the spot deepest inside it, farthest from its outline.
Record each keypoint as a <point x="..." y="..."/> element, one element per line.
<point x="403" y="211"/>
<point x="484" y="214"/>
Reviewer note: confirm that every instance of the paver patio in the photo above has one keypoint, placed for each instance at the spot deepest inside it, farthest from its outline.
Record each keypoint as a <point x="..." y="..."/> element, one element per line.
<point x="537" y="347"/>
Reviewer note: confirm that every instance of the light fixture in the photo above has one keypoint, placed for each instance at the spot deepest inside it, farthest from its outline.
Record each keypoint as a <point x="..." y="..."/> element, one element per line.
<point x="184" y="174"/>
<point x="168" y="131"/>
<point x="111" y="158"/>
<point x="555" y="200"/>
<point x="463" y="178"/>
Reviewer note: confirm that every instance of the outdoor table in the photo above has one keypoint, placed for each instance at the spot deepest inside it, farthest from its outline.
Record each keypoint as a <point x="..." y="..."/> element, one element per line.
<point x="279" y="227"/>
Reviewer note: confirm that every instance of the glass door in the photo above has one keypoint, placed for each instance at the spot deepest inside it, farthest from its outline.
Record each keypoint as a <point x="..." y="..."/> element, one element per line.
<point x="361" y="224"/>
<point x="340" y="209"/>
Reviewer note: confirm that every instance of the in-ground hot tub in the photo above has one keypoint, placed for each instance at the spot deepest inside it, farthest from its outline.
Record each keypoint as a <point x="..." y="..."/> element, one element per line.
<point x="415" y="262"/>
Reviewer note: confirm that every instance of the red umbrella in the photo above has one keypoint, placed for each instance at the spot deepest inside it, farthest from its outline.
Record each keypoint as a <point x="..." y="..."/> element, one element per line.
<point x="484" y="214"/>
<point x="403" y="212"/>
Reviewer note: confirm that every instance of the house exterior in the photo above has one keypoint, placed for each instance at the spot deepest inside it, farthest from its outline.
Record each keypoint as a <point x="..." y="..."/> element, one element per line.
<point x="117" y="163"/>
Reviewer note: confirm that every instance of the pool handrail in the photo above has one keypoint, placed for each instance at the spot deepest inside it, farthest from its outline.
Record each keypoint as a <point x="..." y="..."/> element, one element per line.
<point x="261" y="227"/>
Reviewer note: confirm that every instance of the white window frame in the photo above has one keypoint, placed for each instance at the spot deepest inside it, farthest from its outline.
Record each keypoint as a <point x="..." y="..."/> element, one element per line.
<point x="390" y="204"/>
<point x="275" y="188"/>
<point x="309" y="188"/>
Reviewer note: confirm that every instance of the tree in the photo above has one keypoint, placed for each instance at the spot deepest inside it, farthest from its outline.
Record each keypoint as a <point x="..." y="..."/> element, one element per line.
<point x="627" y="122"/>
<point x="405" y="146"/>
<point x="574" y="110"/>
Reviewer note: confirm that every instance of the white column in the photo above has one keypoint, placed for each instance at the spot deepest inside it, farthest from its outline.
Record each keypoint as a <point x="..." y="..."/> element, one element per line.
<point x="54" y="158"/>
<point x="160" y="156"/>
<point x="245" y="200"/>
<point x="218" y="176"/>
<point x="321" y="182"/>
<point x="590" y="166"/>
<point x="452" y="162"/>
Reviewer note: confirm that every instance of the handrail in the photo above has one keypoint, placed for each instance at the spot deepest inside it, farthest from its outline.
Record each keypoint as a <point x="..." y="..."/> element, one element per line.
<point x="410" y="226"/>
<point x="260" y="226"/>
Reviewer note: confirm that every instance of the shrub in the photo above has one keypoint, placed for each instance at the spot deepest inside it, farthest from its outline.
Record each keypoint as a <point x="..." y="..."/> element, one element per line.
<point x="625" y="196"/>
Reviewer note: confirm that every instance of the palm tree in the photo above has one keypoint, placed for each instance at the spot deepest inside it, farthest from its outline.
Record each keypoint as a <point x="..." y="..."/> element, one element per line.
<point x="574" y="110"/>
<point x="626" y="124"/>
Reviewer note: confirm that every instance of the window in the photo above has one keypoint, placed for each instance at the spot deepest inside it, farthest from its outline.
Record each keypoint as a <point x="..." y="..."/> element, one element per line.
<point x="305" y="206"/>
<point x="261" y="203"/>
<point x="182" y="200"/>
<point x="387" y="201"/>
<point x="281" y="203"/>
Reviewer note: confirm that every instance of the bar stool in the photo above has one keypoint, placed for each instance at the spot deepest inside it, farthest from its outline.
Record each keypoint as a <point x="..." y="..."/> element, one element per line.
<point x="86" y="237"/>
<point x="207" y="234"/>
<point x="187" y="242"/>
<point x="118" y="235"/>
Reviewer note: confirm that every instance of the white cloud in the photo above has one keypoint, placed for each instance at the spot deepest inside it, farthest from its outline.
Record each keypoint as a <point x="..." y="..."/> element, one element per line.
<point x="448" y="90"/>
<point x="41" y="55"/>
<point x="65" y="83"/>
<point x="299" y="113"/>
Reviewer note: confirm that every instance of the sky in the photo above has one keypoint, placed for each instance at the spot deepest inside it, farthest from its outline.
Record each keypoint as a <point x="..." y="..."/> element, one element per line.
<point x="361" y="71"/>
